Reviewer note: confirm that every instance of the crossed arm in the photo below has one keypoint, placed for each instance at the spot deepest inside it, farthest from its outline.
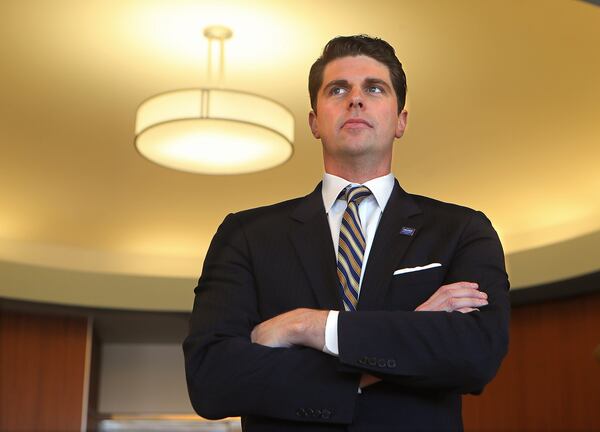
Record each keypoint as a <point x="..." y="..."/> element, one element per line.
<point x="306" y="327"/>
<point x="229" y="356"/>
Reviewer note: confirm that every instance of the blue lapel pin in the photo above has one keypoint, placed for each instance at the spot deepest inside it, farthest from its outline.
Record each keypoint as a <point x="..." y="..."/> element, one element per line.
<point x="407" y="231"/>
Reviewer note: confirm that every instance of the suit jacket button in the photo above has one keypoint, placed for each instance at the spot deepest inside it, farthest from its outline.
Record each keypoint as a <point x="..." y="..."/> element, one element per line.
<point x="325" y="414"/>
<point x="391" y="363"/>
<point x="381" y="363"/>
<point x="372" y="361"/>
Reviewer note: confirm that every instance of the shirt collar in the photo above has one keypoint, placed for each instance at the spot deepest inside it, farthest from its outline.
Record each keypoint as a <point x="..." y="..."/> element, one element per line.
<point x="380" y="187"/>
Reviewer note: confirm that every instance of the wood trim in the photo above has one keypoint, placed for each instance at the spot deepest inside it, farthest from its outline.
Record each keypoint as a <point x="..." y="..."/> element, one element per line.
<point x="550" y="379"/>
<point x="85" y="400"/>
<point x="42" y="363"/>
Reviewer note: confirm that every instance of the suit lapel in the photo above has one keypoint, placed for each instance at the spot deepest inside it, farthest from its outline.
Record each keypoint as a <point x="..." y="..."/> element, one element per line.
<point x="389" y="246"/>
<point x="311" y="236"/>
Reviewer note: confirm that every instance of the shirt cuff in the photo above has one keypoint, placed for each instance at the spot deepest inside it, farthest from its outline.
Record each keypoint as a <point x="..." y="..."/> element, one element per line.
<point x="331" y="334"/>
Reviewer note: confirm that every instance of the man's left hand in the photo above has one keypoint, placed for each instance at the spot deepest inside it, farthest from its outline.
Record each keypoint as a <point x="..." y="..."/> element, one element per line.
<point x="303" y="326"/>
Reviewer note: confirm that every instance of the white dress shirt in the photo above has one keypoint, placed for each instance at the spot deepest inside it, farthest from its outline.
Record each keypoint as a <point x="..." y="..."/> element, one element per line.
<point x="370" y="211"/>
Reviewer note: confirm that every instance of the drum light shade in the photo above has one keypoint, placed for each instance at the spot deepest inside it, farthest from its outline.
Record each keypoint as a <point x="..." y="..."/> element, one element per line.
<point x="214" y="131"/>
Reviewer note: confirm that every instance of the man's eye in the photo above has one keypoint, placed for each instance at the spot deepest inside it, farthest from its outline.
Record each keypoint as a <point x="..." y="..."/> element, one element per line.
<point x="337" y="90"/>
<point x="375" y="89"/>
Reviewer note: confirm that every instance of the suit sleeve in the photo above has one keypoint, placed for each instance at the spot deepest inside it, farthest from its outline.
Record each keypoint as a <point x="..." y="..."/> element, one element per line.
<point x="447" y="351"/>
<point x="227" y="375"/>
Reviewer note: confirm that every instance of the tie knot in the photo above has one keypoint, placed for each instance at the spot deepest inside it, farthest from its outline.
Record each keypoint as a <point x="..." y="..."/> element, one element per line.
<point x="356" y="194"/>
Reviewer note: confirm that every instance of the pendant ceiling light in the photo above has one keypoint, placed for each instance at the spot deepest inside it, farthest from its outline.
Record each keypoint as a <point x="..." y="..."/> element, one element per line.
<point x="214" y="130"/>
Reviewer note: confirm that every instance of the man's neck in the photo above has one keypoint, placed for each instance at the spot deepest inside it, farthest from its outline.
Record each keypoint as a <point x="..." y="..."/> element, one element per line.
<point x="356" y="174"/>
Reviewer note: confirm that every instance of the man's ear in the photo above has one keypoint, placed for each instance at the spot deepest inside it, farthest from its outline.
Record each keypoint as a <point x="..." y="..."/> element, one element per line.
<point x="401" y="124"/>
<point x="312" y="122"/>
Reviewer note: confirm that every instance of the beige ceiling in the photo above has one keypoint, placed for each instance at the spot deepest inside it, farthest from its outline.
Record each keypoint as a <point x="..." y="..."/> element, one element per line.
<point x="504" y="116"/>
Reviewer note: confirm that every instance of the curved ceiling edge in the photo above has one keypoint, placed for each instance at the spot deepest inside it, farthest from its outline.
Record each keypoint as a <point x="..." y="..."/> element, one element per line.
<point x="535" y="267"/>
<point x="564" y="260"/>
<point x="98" y="290"/>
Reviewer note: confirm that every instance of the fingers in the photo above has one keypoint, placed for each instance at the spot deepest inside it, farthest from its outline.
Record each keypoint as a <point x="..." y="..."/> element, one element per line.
<point x="296" y="327"/>
<point x="269" y="333"/>
<point x="467" y="310"/>
<point x="457" y="296"/>
<point x="454" y="304"/>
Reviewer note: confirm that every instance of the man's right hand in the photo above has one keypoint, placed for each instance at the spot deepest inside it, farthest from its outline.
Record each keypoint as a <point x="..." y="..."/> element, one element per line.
<point x="459" y="296"/>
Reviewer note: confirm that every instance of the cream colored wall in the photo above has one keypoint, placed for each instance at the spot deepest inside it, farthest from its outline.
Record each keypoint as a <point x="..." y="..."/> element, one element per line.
<point x="142" y="379"/>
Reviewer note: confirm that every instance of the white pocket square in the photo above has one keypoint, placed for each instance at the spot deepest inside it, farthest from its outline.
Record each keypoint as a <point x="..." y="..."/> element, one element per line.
<point x="418" y="268"/>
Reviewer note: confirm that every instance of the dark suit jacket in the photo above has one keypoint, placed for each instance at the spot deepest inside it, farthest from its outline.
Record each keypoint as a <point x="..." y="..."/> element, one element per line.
<point x="270" y="260"/>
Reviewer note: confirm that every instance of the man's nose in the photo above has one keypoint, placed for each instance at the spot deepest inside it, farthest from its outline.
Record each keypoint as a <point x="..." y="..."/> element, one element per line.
<point x="356" y="101"/>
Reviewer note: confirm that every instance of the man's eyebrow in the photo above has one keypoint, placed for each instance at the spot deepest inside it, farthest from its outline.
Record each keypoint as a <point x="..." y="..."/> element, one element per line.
<point x="367" y="82"/>
<point x="336" y="83"/>
<point x="378" y="81"/>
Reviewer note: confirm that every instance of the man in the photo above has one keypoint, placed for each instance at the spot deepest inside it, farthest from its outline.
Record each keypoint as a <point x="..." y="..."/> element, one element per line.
<point x="358" y="307"/>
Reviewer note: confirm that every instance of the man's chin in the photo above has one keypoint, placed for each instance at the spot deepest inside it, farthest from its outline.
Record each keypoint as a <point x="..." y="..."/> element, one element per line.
<point x="356" y="152"/>
<point x="357" y="147"/>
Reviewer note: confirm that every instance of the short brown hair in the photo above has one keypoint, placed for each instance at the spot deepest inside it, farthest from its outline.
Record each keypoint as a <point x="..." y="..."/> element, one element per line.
<point x="344" y="46"/>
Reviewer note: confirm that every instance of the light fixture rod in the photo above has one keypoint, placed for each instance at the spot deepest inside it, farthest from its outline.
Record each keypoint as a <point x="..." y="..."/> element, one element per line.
<point x="218" y="34"/>
<point x="222" y="61"/>
<point x="209" y="62"/>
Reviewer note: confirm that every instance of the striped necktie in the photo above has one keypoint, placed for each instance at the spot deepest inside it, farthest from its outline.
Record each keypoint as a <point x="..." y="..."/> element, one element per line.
<point x="351" y="247"/>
